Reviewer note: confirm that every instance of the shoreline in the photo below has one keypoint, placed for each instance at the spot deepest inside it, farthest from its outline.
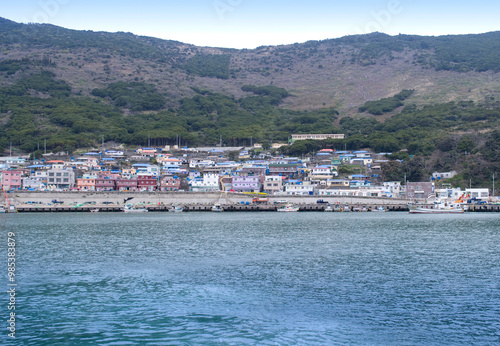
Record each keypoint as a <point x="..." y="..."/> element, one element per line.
<point x="117" y="198"/>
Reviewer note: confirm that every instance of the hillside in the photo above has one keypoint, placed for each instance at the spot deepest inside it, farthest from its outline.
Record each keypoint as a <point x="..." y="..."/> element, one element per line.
<point x="72" y="88"/>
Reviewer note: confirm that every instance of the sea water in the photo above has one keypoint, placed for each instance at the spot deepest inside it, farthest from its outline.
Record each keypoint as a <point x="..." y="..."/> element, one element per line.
<point x="252" y="279"/>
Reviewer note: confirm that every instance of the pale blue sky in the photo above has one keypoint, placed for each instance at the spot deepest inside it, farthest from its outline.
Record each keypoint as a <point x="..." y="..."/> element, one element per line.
<point x="252" y="23"/>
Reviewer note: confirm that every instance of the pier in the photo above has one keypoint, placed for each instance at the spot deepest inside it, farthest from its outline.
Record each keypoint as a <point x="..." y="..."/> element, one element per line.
<point x="237" y="208"/>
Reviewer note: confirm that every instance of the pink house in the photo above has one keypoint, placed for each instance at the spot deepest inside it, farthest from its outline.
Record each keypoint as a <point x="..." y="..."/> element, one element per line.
<point x="12" y="180"/>
<point x="105" y="184"/>
<point x="147" y="183"/>
<point x="170" y="183"/>
<point x="126" y="185"/>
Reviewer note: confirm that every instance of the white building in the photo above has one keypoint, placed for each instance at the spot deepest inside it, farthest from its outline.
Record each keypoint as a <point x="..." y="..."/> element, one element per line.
<point x="393" y="188"/>
<point x="60" y="179"/>
<point x="478" y="193"/>
<point x="297" y="187"/>
<point x="209" y="182"/>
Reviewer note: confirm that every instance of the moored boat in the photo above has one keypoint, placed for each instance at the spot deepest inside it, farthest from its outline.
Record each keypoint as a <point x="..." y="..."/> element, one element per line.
<point x="288" y="208"/>
<point x="328" y="208"/>
<point x="438" y="207"/>
<point x="217" y="208"/>
<point x="134" y="209"/>
<point x="96" y="210"/>
<point x="176" y="209"/>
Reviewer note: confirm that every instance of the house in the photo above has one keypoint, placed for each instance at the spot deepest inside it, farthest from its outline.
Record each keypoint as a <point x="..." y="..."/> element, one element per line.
<point x="393" y="188"/>
<point x="105" y="183"/>
<point x="12" y="180"/>
<point x="319" y="173"/>
<point x="147" y="183"/>
<point x="33" y="183"/>
<point x="246" y="184"/>
<point x="60" y="179"/>
<point x="208" y="182"/>
<point x="299" y="187"/>
<point x="444" y="175"/>
<point x="126" y="184"/>
<point x="478" y="193"/>
<point x="283" y="169"/>
<point x="145" y="169"/>
<point x="170" y="183"/>
<point x="86" y="183"/>
<point x="226" y="183"/>
<point x="318" y="137"/>
<point x="273" y="184"/>
<point x="419" y="189"/>
<point x="12" y="161"/>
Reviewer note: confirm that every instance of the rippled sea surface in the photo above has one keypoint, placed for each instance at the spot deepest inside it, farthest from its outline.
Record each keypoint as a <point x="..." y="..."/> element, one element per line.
<point x="254" y="279"/>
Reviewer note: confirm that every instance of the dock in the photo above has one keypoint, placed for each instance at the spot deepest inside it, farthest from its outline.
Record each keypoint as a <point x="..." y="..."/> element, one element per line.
<point x="234" y="208"/>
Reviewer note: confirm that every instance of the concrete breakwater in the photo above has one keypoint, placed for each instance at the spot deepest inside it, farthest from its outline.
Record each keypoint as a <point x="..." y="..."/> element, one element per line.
<point x="196" y="208"/>
<point x="28" y="198"/>
<point x="27" y="201"/>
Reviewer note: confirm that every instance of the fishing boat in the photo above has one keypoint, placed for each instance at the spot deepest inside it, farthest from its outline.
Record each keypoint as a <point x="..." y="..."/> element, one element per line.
<point x="379" y="209"/>
<point x="438" y="207"/>
<point x="176" y="209"/>
<point x="96" y="210"/>
<point x="328" y="208"/>
<point x="217" y="208"/>
<point x="288" y="208"/>
<point x="134" y="209"/>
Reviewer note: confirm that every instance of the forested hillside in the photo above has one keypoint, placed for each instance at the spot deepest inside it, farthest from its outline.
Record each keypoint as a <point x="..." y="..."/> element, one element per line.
<point x="436" y="98"/>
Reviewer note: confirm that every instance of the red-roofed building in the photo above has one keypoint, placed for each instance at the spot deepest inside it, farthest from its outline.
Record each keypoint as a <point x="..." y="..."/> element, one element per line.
<point x="147" y="183"/>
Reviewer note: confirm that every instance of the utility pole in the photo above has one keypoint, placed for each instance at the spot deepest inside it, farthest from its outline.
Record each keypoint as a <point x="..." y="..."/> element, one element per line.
<point x="493" y="184"/>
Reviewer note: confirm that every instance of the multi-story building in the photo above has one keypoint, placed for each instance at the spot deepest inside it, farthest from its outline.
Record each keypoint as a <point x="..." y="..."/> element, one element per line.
<point x="170" y="183"/>
<point x="246" y="184"/>
<point x="419" y="189"/>
<point x="105" y="183"/>
<point x="126" y="184"/>
<point x="273" y="184"/>
<point x="86" y="183"/>
<point x="283" y="169"/>
<point x="60" y="179"/>
<point x="299" y="187"/>
<point x="209" y="182"/>
<point x="12" y="180"/>
<point x="147" y="183"/>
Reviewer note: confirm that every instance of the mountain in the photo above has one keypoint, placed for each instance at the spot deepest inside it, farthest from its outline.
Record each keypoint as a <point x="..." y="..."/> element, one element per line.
<point x="433" y="96"/>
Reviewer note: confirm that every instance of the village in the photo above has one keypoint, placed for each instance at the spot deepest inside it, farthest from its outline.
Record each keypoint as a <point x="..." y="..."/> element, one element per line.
<point x="327" y="173"/>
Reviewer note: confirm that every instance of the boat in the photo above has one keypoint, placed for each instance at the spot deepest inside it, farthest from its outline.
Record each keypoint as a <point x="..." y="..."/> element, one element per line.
<point x="134" y="209"/>
<point x="96" y="210"/>
<point x="346" y="209"/>
<point x="176" y="209"/>
<point x="217" y="208"/>
<point x="328" y="208"/>
<point x="379" y="209"/>
<point x="11" y="208"/>
<point x="288" y="208"/>
<point x="438" y="207"/>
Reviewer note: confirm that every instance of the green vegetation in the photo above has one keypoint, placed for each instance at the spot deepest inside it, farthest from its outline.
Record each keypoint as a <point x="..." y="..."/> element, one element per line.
<point x="386" y="105"/>
<point x="136" y="96"/>
<point x="209" y="65"/>
<point x="460" y="53"/>
<point x="35" y="105"/>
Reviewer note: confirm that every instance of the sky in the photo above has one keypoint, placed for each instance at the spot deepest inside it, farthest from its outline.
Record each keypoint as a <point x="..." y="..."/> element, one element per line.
<point x="253" y="23"/>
